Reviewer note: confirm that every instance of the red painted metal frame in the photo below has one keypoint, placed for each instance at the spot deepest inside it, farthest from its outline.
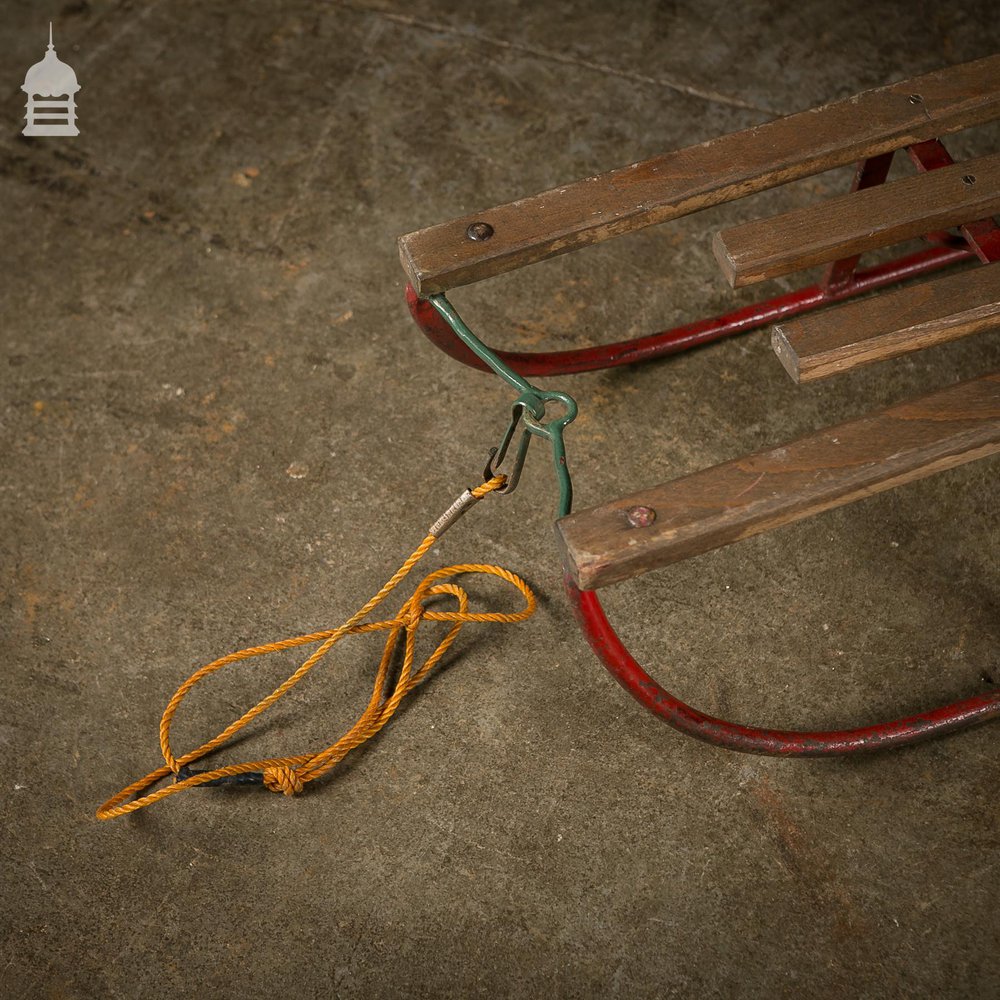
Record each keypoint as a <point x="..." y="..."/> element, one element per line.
<point x="842" y="280"/>
<point x="604" y="641"/>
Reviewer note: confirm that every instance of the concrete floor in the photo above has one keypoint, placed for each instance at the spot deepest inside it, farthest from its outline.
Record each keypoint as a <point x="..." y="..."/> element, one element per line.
<point x="220" y="428"/>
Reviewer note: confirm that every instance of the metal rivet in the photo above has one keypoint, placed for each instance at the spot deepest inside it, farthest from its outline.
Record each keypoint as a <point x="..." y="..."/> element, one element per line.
<point x="968" y="179"/>
<point x="479" y="231"/>
<point x="916" y="99"/>
<point x="640" y="517"/>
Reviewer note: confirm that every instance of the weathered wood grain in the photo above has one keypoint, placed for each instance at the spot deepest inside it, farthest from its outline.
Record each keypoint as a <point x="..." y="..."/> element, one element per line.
<point x="860" y="221"/>
<point x="834" y="466"/>
<point x="683" y="181"/>
<point x="907" y="319"/>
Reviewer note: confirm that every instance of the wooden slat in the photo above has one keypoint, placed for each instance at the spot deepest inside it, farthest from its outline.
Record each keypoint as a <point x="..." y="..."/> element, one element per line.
<point x="686" y="180"/>
<point x="888" y="325"/>
<point x="741" y="498"/>
<point x="863" y="220"/>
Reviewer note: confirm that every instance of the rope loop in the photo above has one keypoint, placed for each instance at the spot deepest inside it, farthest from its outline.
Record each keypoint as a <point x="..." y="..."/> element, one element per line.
<point x="290" y="775"/>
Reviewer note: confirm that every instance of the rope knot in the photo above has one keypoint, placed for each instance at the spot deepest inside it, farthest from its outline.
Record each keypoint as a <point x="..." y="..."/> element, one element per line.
<point x="283" y="779"/>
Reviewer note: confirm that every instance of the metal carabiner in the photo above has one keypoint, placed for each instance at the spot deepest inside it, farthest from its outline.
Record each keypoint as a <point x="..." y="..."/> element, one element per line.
<point x="494" y="463"/>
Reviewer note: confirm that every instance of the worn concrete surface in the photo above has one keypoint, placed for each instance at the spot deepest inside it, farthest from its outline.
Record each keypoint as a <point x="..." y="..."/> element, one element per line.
<point x="219" y="427"/>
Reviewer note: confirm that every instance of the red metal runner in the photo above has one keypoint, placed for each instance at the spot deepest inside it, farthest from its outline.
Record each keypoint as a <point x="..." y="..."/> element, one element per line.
<point x="604" y="641"/>
<point x="682" y="338"/>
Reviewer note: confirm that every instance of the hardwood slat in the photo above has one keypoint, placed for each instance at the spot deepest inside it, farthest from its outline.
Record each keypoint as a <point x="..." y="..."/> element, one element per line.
<point x="859" y="221"/>
<point x="908" y="319"/>
<point x="834" y="466"/>
<point x="683" y="181"/>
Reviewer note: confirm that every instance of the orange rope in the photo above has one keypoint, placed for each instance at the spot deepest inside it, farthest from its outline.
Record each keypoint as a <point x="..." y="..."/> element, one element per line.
<point x="291" y="774"/>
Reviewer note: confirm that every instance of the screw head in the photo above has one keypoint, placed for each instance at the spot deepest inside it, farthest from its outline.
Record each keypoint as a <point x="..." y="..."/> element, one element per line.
<point x="969" y="179"/>
<point x="479" y="231"/>
<point x="640" y="517"/>
<point x="916" y="99"/>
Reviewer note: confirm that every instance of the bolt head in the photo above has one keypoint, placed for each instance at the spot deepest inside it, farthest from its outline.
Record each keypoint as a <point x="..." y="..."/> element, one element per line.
<point x="640" y="517"/>
<point x="479" y="231"/>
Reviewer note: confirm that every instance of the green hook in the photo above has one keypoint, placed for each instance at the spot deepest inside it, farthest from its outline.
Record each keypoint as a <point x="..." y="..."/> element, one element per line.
<point x="528" y="408"/>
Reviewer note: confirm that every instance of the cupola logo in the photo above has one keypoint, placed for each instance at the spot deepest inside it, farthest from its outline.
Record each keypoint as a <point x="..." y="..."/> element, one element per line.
<point x="51" y="78"/>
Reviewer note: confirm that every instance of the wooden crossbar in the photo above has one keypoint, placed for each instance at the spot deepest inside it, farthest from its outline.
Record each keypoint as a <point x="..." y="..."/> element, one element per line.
<point x="908" y="319"/>
<point x="680" y="182"/>
<point x="834" y="466"/>
<point x="862" y="220"/>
